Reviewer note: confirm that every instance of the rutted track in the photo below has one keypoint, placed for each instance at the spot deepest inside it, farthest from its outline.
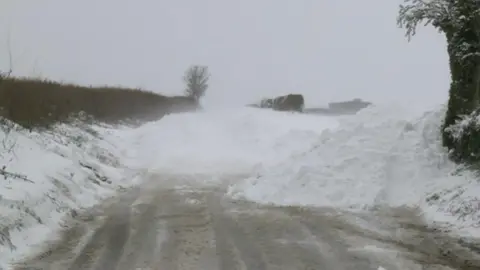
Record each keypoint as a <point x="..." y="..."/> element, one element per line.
<point x="179" y="229"/>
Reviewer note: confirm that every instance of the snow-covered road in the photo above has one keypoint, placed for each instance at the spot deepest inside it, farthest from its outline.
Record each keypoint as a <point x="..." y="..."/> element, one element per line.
<point x="162" y="227"/>
<point x="365" y="166"/>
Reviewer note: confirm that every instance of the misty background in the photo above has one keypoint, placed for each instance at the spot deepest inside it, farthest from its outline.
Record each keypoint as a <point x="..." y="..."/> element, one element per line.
<point x="326" y="50"/>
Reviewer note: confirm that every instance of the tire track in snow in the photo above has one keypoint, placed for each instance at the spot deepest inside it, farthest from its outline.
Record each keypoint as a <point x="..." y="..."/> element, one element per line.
<point x="168" y="229"/>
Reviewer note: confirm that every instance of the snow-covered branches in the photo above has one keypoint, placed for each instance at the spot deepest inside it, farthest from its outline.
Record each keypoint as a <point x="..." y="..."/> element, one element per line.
<point x="413" y="12"/>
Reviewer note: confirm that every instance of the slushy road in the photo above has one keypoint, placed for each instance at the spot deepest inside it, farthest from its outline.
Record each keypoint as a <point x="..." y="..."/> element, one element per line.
<point x="166" y="228"/>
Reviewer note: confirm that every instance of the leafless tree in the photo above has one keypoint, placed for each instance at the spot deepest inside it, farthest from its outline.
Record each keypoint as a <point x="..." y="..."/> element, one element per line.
<point x="5" y="74"/>
<point x="196" y="80"/>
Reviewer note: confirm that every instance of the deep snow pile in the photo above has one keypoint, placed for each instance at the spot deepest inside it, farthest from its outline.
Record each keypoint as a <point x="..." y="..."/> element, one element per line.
<point x="46" y="175"/>
<point x="381" y="156"/>
<point x="226" y="141"/>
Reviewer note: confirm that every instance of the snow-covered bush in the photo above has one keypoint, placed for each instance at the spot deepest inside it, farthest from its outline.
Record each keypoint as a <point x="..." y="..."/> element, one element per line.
<point x="466" y="138"/>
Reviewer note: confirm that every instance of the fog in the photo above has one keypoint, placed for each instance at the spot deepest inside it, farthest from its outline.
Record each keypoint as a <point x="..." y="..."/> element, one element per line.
<point x="326" y="50"/>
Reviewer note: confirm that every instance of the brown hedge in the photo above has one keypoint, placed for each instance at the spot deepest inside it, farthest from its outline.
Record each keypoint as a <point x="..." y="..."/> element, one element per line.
<point x="40" y="103"/>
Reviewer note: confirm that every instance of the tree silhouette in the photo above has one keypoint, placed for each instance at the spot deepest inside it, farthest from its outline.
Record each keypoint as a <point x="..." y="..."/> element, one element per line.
<point x="196" y="80"/>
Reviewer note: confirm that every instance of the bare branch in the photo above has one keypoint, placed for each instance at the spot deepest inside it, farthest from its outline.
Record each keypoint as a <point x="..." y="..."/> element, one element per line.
<point x="6" y="174"/>
<point x="8" y="143"/>
<point x="10" y="58"/>
<point x="196" y="80"/>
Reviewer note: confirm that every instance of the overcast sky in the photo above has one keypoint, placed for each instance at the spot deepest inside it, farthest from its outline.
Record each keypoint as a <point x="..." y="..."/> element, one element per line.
<point x="326" y="50"/>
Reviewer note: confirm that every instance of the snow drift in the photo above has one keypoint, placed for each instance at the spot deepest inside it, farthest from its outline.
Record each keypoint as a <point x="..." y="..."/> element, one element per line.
<point x="232" y="141"/>
<point x="383" y="156"/>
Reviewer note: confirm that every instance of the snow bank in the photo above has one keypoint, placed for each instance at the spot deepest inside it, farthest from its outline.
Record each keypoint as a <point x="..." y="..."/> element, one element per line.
<point x="381" y="156"/>
<point x="233" y="141"/>
<point x="46" y="175"/>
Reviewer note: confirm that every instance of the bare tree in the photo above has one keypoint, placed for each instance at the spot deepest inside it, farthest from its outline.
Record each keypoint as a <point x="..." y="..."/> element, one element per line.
<point x="5" y="74"/>
<point x="196" y="80"/>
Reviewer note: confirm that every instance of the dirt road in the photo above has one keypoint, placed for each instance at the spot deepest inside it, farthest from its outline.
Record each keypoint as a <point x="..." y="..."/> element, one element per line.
<point x="199" y="228"/>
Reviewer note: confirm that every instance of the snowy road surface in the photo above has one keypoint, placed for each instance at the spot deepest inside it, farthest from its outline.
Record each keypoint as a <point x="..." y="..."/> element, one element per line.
<point x="199" y="228"/>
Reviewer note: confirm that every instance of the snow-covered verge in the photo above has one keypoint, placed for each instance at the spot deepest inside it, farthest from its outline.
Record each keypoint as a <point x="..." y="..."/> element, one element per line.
<point x="45" y="176"/>
<point x="383" y="156"/>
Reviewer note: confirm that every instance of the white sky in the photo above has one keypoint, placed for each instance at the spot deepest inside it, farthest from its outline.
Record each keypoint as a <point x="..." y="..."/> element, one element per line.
<point x="326" y="50"/>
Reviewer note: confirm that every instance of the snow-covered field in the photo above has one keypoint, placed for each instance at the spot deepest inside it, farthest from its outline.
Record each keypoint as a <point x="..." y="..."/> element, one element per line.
<point x="382" y="156"/>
